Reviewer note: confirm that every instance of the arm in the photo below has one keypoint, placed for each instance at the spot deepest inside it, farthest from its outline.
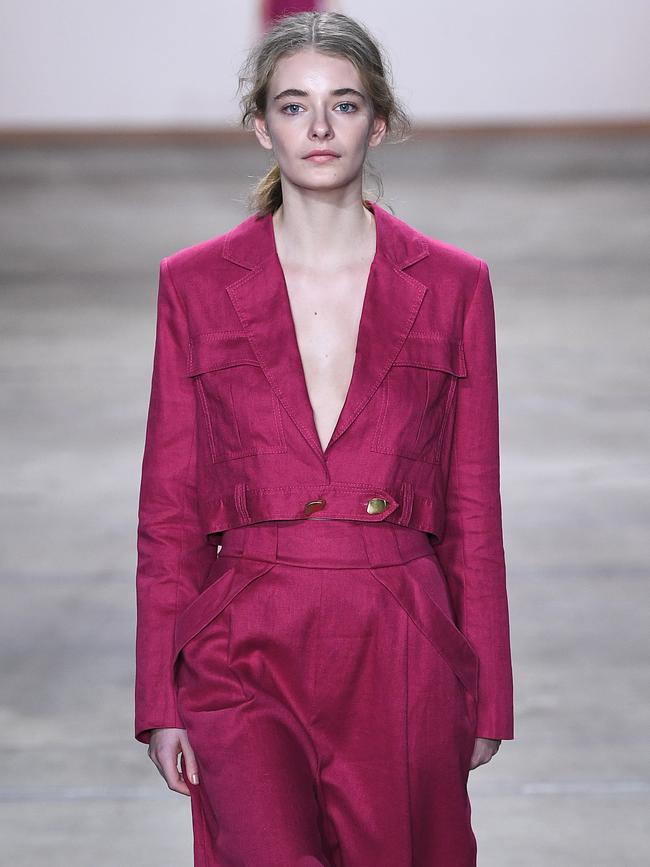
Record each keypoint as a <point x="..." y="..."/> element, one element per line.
<point x="173" y="554"/>
<point x="471" y="552"/>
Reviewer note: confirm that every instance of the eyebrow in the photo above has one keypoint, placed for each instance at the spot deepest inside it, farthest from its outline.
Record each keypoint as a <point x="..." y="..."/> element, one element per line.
<point x="341" y="91"/>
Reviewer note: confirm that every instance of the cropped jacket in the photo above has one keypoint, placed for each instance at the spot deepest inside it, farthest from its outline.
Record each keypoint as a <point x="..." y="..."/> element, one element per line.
<point x="231" y="440"/>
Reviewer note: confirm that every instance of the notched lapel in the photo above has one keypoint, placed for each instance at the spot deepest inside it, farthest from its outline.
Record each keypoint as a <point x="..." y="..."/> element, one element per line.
<point x="390" y="306"/>
<point x="263" y="307"/>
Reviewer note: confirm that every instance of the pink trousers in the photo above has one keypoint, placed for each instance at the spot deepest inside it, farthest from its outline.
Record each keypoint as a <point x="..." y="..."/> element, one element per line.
<point x="330" y="702"/>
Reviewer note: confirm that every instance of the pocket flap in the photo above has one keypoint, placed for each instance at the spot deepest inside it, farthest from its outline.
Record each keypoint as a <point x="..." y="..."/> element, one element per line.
<point x="435" y="352"/>
<point x="216" y="350"/>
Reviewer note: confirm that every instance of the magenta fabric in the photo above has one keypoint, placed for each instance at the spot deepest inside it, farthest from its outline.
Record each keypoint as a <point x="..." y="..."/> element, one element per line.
<point x="231" y="443"/>
<point x="272" y="10"/>
<point x="330" y="702"/>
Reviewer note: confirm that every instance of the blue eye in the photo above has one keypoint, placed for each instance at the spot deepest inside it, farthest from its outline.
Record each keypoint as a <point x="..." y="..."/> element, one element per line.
<point x="290" y="105"/>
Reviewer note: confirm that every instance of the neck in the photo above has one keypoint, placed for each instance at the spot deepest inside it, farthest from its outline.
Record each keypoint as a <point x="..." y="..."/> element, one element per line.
<point x="314" y="232"/>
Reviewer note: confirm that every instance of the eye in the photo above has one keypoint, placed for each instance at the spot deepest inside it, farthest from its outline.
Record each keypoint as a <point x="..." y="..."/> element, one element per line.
<point x="351" y="108"/>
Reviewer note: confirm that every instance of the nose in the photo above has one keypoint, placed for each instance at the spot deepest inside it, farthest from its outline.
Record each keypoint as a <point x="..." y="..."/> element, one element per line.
<point x="321" y="127"/>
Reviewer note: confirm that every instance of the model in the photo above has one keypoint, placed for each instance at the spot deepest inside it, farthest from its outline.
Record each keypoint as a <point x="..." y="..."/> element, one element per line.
<point x="322" y="620"/>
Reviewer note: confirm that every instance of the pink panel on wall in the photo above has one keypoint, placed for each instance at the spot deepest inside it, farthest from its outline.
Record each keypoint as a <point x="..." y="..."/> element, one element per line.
<point x="273" y="9"/>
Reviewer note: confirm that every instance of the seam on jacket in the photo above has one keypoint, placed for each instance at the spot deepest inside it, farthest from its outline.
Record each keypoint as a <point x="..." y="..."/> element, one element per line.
<point x="482" y="264"/>
<point x="406" y="493"/>
<point x="181" y="551"/>
<point x="240" y="502"/>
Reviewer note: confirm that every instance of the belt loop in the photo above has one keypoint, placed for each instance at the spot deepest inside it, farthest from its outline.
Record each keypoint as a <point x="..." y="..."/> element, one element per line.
<point x="406" y="492"/>
<point x="240" y="502"/>
<point x="260" y="541"/>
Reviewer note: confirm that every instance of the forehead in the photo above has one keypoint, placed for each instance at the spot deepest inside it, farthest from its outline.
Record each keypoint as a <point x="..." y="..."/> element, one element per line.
<point x="315" y="71"/>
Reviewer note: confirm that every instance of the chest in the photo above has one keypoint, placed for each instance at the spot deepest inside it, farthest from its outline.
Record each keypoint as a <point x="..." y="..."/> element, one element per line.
<point x="326" y="313"/>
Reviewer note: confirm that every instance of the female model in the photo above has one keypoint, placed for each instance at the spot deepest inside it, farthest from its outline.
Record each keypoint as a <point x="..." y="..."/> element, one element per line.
<point x="324" y="409"/>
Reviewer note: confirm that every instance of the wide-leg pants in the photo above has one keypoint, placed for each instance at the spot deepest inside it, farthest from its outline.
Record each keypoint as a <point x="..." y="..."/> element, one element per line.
<point x="330" y="701"/>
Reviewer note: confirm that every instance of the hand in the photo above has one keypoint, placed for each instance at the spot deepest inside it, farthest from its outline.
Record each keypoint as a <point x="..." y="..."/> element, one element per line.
<point x="484" y="749"/>
<point x="165" y="745"/>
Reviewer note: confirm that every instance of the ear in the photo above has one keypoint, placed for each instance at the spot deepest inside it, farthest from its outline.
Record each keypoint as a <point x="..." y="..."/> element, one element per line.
<point x="261" y="131"/>
<point x="377" y="132"/>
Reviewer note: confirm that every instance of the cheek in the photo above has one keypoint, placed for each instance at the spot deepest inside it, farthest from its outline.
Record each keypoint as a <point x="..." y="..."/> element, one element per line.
<point x="284" y="134"/>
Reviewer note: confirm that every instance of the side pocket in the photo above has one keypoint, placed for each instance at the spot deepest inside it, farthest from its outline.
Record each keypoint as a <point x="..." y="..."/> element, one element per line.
<point x="407" y="584"/>
<point x="434" y="584"/>
<point x="212" y="601"/>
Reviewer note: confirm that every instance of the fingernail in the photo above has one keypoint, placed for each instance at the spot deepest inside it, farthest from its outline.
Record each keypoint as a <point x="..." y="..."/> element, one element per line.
<point x="195" y="779"/>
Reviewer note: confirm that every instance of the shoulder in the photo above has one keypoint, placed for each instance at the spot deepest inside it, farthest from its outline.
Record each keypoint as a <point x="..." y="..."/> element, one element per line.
<point x="453" y="258"/>
<point x="435" y="259"/>
<point x="455" y="270"/>
<point x="196" y="258"/>
<point x="206" y="258"/>
<point x="450" y="259"/>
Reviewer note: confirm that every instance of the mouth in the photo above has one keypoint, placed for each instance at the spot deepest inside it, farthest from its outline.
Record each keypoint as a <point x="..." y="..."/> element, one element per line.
<point x="321" y="158"/>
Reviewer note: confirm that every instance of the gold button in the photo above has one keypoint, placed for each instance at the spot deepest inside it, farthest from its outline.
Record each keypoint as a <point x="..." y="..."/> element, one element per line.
<point x="314" y="506"/>
<point x="377" y="505"/>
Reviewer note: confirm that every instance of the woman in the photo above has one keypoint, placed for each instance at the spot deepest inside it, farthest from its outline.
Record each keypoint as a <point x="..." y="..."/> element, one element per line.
<point x="324" y="408"/>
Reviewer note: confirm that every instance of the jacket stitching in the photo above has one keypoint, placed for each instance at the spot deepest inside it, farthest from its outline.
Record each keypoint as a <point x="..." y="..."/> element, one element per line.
<point x="181" y="548"/>
<point x="351" y="486"/>
<point x="457" y="471"/>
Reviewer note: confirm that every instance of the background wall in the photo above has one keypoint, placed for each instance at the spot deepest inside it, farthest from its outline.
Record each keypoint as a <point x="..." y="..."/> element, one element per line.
<point x="140" y="63"/>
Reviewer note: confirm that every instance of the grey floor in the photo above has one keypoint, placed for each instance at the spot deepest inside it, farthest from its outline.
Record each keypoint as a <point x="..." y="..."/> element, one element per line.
<point x="564" y="224"/>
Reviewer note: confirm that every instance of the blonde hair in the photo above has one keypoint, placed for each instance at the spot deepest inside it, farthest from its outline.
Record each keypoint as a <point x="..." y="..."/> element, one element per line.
<point x="330" y="33"/>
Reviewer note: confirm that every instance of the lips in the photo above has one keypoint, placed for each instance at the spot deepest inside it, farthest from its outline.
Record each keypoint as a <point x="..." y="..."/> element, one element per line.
<point x="321" y="158"/>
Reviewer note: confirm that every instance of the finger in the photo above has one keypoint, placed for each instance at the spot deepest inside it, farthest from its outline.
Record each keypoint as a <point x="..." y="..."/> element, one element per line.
<point x="171" y="773"/>
<point x="189" y="765"/>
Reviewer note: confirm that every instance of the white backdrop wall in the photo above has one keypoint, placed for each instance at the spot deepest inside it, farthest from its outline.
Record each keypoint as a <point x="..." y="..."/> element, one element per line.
<point x="140" y="63"/>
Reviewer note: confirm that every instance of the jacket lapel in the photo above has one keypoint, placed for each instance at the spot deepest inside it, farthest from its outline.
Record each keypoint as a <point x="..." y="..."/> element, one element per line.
<point x="261" y="301"/>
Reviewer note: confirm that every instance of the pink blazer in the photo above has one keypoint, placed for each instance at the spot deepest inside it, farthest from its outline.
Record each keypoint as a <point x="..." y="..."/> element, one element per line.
<point x="231" y="440"/>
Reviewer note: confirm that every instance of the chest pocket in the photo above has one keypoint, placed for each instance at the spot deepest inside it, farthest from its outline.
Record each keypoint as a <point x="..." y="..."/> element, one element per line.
<point x="416" y="397"/>
<point x="241" y="412"/>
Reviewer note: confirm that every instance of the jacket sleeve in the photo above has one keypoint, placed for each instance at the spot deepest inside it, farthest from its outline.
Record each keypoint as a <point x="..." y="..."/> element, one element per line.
<point x="173" y="555"/>
<point x="471" y="552"/>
